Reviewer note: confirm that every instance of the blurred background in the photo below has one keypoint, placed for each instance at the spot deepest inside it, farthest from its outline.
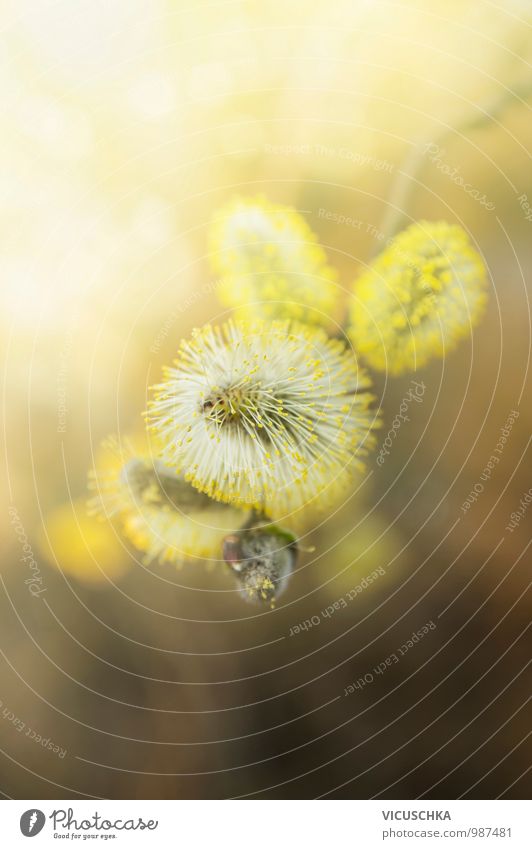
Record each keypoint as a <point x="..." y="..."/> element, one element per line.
<point x="124" y="127"/>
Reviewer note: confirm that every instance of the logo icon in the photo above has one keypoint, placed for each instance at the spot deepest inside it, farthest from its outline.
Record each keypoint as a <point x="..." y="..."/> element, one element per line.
<point x="32" y="822"/>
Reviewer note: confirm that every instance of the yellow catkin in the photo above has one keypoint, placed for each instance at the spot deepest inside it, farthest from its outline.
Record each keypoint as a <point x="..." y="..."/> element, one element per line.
<point x="419" y="298"/>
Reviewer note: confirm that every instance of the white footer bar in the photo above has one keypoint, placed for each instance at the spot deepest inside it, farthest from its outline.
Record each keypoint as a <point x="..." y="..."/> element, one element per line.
<point x="267" y="824"/>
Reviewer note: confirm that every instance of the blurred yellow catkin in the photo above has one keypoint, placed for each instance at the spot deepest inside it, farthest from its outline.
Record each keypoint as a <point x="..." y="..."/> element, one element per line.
<point x="81" y="546"/>
<point x="159" y="512"/>
<point x="270" y="263"/>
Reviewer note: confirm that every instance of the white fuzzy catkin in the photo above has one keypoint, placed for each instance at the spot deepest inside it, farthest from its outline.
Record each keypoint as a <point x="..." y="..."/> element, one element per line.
<point x="270" y="414"/>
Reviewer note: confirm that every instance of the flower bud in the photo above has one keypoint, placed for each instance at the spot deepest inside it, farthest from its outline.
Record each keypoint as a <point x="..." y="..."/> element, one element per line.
<point x="262" y="559"/>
